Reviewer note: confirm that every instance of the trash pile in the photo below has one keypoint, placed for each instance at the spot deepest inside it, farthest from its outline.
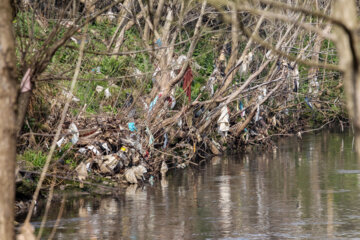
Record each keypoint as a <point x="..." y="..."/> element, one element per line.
<point x="153" y="134"/>
<point x="170" y="104"/>
<point x="108" y="147"/>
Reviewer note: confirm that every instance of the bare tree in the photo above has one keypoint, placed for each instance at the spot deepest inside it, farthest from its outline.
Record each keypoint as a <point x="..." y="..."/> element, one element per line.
<point x="8" y="91"/>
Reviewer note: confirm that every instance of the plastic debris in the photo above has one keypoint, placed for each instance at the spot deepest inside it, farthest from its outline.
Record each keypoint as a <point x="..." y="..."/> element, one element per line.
<point x="181" y="60"/>
<point x="157" y="70"/>
<point x="223" y="121"/>
<point x="88" y="166"/>
<point x="134" y="143"/>
<point x="68" y="95"/>
<point x="181" y="165"/>
<point x="75" y="133"/>
<point x="241" y="106"/>
<point x="164" y="168"/>
<point x="253" y="133"/>
<point x="132" y="127"/>
<point x="132" y="175"/>
<point x="222" y="57"/>
<point x="158" y="42"/>
<point x="78" y="41"/>
<point x="99" y="88"/>
<point x="269" y="55"/>
<point x="93" y="149"/>
<point x="257" y="115"/>
<point x="273" y="121"/>
<point x="111" y="16"/>
<point x="110" y="163"/>
<point x="165" y="140"/>
<point x="264" y="91"/>
<point x="137" y="73"/>
<point x="82" y="173"/>
<point x="107" y="93"/>
<point x="171" y="101"/>
<point x="295" y="76"/>
<point x="105" y="147"/>
<point x="123" y="158"/>
<point x="151" y="180"/>
<point x="151" y="137"/>
<point x="25" y="85"/>
<point x="179" y="123"/>
<point x="299" y="135"/>
<point x="96" y="70"/>
<point x="61" y="142"/>
<point x="123" y="149"/>
<point x="82" y="150"/>
<point x="314" y="86"/>
<point x="212" y="80"/>
<point x="214" y="147"/>
<point x="67" y="23"/>
<point x="153" y="103"/>
<point x="308" y="102"/>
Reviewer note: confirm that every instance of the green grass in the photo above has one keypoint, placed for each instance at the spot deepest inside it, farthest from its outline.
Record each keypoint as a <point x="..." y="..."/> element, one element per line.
<point x="33" y="158"/>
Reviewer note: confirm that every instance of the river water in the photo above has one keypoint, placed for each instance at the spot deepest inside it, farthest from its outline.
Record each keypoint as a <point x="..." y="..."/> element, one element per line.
<point x="302" y="189"/>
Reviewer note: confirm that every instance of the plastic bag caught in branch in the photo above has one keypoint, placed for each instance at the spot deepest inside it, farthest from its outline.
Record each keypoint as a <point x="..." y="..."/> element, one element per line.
<point x="75" y="133"/>
<point x="223" y="120"/>
<point x="62" y="141"/>
<point x="257" y="116"/>
<point x="153" y="103"/>
<point x="151" y="137"/>
<point x="132" y="127"/>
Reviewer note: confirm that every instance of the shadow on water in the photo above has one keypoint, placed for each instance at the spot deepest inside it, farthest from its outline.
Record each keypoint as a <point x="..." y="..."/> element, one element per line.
<point x="303" y="189"/>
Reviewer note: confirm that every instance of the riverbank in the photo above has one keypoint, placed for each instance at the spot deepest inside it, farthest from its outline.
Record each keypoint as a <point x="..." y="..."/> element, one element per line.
<point x="149" y="99"/>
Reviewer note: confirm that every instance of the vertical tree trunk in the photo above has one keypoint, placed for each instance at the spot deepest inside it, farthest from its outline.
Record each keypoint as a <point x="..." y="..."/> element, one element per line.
<point x="348" y="47"/>
<point x="7" y="121"/>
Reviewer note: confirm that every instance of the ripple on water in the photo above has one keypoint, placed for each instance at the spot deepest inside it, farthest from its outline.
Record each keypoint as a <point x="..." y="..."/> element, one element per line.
<point x="344" y="171"/>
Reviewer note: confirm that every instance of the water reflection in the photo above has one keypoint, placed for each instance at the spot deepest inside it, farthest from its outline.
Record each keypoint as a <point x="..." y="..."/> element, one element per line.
<point x="306" y="189"/>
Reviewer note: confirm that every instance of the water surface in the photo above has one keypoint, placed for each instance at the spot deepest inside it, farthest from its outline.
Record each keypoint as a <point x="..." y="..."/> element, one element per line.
<point x="302" y="189"/>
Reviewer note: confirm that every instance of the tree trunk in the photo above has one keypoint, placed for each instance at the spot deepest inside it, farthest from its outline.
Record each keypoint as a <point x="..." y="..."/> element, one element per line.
<point x="348" y="47"/>
<point x="7" y="121"/>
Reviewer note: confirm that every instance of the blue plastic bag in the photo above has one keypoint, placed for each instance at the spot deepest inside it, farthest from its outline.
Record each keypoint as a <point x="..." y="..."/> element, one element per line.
<point x="132" y="127"/>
